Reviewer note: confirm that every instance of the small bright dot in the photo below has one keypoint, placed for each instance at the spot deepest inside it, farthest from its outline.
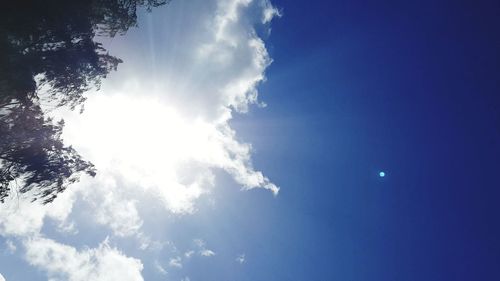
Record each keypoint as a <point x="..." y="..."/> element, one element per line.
<point x="381" y="174"/>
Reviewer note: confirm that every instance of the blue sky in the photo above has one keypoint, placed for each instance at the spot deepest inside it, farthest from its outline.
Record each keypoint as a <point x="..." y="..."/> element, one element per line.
<point x="354" y="88"/>
<point x="409" y="88"/>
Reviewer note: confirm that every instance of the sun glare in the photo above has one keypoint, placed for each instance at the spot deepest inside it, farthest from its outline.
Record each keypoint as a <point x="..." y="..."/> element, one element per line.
<point x="150" y="144"/>
<point x="143" y="131"/>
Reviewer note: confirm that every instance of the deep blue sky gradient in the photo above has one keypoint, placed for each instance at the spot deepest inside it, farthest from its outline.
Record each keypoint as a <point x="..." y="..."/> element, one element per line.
<point x="408" y="87"/>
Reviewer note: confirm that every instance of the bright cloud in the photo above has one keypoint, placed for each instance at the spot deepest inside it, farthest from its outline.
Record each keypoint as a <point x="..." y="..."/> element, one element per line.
<point x="21" y="217"/>
<point x="66" y="263"/>
<point x="158" y="131"/>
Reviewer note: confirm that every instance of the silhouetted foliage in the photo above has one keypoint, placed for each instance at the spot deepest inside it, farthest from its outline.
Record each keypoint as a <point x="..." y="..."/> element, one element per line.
<point x="54" y="41"/>
<point x="33" y="153"/>
<point x="50" y="45"/>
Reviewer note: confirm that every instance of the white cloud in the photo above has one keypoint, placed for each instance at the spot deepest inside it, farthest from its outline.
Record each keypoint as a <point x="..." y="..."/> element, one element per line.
<point x="24" y="219"/>
<point x="207" y="253"/>
<point x="103" y="263"/>
<point x="241" y="258"/>
<point x="175" y="262"/>
<point x="21" y="217"/>
<point x="269" y="12"/>
<point x="112" y="209"/>
<point x="157" y="136"/>
<point x="1" y="277"/>
<point x="188" y="254"/>
<point x="179" y="131"/>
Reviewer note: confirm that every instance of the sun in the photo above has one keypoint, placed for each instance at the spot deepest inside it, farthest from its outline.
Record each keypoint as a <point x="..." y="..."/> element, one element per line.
<point x="144" y="144"/>
<point x="149" y="144"/>
<point x="145" y="131"/>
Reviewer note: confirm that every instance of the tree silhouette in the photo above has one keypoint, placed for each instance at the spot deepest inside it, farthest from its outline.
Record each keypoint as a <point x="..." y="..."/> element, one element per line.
<point x="50" y="45"/>
<point x="33" y="153"/>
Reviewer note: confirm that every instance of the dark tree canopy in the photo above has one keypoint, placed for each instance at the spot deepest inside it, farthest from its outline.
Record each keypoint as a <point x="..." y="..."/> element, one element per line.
<point x="54" y="41"/>
<point x="50" y="44"/>
<point x="33" y="153"/>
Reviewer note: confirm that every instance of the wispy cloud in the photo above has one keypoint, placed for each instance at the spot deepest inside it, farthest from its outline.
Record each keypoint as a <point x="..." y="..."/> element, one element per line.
<point x="241" y="259"/>
<point x="175" y="262"/>
<point x="269" y="12"/>
<point x="160" y="268"/>
<point x="207" y="253"/>
<point x="188" y="254"/>
<point x="202" y="249"/>
<point x="10" y="246"/>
